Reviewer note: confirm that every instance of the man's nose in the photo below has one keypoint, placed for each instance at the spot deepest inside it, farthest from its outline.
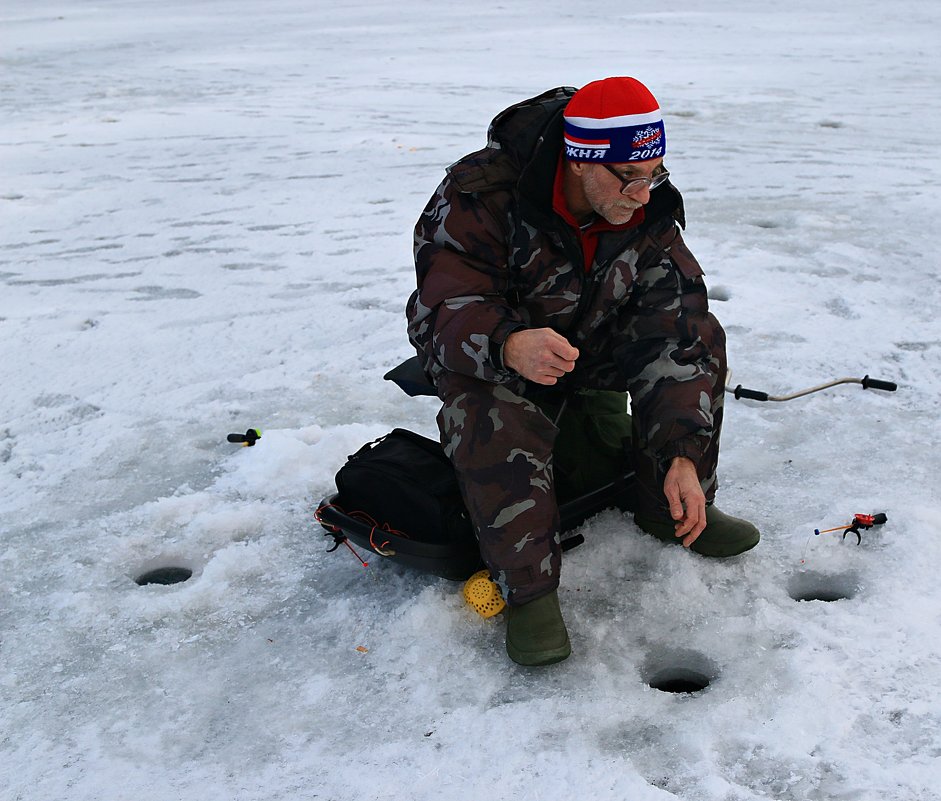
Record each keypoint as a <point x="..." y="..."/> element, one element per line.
<point x="641" y="195"/>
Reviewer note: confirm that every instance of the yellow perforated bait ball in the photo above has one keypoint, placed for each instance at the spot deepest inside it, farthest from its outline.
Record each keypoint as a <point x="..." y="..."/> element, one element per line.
<point x="482" y="593"/>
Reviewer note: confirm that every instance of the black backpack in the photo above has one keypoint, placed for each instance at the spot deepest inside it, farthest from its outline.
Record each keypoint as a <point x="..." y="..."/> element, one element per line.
<point x="398" y="496"/>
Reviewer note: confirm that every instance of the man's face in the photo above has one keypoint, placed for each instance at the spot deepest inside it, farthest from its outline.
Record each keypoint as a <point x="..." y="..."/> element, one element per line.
<point x="603" y="190"/>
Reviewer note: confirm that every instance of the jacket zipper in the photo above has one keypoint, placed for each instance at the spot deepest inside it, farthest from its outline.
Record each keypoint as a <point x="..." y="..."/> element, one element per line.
<point x="589" y="291"/>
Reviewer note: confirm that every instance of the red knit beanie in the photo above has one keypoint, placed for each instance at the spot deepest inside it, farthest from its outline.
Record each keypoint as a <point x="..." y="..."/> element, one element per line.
<point x="615" y="120"/>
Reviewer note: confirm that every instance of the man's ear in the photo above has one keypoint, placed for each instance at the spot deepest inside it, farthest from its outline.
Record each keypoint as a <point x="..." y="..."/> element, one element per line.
<point x="577" y="167"/>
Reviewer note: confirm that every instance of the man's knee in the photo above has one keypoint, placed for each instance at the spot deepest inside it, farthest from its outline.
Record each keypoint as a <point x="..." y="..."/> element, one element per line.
<point x="482" y="422"/>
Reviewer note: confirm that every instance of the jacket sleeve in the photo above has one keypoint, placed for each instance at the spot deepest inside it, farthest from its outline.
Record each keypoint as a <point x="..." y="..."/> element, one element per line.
<point x="459" y="318"/>
<point x="672" y="352"/>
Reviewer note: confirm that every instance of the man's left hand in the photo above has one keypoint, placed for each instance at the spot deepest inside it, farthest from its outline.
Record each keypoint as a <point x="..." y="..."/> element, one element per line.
<point x="686" y="499"/>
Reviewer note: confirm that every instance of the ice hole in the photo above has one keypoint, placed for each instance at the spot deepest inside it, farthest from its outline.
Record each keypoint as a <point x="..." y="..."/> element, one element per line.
<point x="164" y="575"/>
<point x="679" y="680"/>
<point x="812" y="586"/>
<point x="678" y="671"/>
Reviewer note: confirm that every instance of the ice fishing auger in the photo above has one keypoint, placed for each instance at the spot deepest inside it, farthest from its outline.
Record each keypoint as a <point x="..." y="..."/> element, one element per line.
<point x="867" y="383"/>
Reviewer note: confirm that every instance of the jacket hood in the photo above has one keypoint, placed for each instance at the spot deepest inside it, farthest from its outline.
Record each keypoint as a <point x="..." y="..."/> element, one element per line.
<point x="515" y="138"/>
<point x="522" y="130"/>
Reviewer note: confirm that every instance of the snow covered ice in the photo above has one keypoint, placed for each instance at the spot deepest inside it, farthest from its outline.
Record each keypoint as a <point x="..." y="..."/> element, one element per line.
<point x="205" y="225"/>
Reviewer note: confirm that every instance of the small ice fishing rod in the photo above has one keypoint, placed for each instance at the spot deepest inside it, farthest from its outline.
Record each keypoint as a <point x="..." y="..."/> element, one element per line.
<point x="859" y="522"/>
<point x="866" y="381"/>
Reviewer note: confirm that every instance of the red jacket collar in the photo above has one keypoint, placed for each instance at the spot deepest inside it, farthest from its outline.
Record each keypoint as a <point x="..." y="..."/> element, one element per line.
<point x="588" y="235"/>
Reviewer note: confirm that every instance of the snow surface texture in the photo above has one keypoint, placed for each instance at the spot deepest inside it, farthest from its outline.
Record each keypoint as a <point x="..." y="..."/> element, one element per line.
<point x="206" y="214"/>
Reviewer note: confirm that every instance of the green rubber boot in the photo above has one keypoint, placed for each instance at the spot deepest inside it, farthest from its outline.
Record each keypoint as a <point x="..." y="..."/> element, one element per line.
<point x="723" y="535"/>
<point x="535" y="632"/>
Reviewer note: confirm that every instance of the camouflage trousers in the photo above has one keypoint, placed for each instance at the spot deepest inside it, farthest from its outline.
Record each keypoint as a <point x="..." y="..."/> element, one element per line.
<point x="500" y="439"/>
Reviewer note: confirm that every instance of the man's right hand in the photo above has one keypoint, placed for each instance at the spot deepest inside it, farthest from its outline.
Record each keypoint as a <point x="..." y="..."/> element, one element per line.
<point x="539" y="354"/>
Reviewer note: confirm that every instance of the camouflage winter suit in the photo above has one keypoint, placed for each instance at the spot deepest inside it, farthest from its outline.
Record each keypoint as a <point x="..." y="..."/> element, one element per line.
<point x="492" y="258"/>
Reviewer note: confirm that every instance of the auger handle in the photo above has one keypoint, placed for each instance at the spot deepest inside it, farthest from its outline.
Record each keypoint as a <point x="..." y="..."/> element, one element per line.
<point x="751" y="394"/>
<point x="872" y="383"/>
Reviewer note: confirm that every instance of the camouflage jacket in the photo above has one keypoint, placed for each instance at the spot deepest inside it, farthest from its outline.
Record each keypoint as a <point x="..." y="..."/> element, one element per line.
<point x="492" y="257"/>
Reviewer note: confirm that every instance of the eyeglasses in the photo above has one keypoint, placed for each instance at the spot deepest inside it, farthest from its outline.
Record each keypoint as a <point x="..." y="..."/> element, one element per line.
<point x="631" y="185"/>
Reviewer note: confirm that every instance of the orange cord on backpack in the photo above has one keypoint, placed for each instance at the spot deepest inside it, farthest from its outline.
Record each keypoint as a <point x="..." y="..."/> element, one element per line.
<point x="374" y="526"/>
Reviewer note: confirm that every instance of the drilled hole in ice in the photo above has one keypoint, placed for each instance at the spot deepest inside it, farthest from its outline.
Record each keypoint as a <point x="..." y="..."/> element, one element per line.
<point x="164" y="575"/>
<point x="678" y="670"/>
<point x="811" y="586"/>
<point x="679" y="680"/>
